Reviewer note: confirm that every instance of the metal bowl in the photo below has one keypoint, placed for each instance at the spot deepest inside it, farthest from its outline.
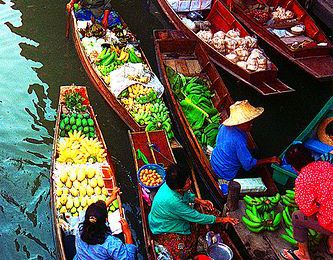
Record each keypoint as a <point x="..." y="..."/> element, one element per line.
<point x="220" y="251"/>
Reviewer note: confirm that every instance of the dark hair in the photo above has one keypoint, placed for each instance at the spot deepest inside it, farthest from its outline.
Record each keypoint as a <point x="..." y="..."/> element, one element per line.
<point x="298" y="156"/>
<point x="329" y="128"/>
<point x="94" y="229"/>
<point x="176" y="177"/>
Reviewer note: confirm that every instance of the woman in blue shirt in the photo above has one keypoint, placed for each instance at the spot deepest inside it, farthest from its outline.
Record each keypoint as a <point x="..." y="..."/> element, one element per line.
<point x="94" y="241"/>
<point x="231" y="153"/>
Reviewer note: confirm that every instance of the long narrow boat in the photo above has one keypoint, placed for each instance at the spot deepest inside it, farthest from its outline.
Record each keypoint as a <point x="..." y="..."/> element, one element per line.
<point x="188" y="57"/>
<point x="313" y="137"/>
<point x="70" y="173"/>
<point x="264" y="81"/>
<point x="165" y="156"/>
<point x="129" y="88"/>
<point x="315" y="58"/>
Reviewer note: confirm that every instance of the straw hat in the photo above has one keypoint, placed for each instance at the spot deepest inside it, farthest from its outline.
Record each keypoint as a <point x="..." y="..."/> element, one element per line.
<point x="321" y="132"/>
<point x="242" y="112"/>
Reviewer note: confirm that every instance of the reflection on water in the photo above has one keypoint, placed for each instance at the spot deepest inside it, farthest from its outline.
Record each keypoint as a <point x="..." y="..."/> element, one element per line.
<point x="25" y="148"/>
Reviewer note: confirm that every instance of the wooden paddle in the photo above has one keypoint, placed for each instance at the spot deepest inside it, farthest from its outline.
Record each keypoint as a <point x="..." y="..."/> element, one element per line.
<point x="197" y="190"/>
<point x="68" y="22"/>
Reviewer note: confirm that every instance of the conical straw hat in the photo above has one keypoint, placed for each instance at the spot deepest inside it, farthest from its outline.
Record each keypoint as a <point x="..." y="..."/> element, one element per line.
<point x="242" y="112"/>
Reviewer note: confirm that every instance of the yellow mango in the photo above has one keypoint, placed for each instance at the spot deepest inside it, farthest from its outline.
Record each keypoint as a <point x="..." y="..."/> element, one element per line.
<point x="59" y="192"/>
<point x="69" y="203"/>
<point x="98" y="190"/>
<point x="63" y="177"/>
<point x="83" y="191"/>
<point x="93" y="182"/>
<point x="63" y="210"/>
<point x="74" y="192"/>
<point x="69" y="183"/>
<point x="76" y="202"/>
<point x="90" y="191"/>
<point x="100" y="181"/>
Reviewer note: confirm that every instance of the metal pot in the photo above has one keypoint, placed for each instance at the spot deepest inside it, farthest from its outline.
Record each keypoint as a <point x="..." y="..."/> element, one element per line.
<point x="220" y="251"/>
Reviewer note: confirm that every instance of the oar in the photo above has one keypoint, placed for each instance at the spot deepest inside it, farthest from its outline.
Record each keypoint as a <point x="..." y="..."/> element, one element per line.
<point x="197" y="190"/>
<point x="68" y="23"/>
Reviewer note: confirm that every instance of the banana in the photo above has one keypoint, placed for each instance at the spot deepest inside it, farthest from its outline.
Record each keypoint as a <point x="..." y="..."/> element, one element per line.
<point x="255" y="230"/>
<point x="252" y="216"/>
<point x="254" y="210"/>
<point x="287" y="221"/>
<point x="122" y="55"/>
<point x="277" y="219"/>
<point x="289" y="232"/>
<point x="289" y="239"/>
<point x="250" y="223"/>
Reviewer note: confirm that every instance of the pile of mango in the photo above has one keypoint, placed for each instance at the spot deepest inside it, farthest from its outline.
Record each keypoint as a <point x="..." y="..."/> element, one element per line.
<point x="77" y="186"/>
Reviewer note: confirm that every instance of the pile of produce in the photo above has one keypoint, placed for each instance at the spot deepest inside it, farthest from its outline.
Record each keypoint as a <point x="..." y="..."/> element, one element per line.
<point x="77" y="186"/>
<point x="78" y="149"/>
<point x="150" y="177"/>
<point x="242" y="51"/>
<point x="260" y="215"/>
<point x="80" y="158"/>
<point x="112" y="58"/>
<point x="79" y="122"/>
<point x="257" y="222"/>
<point x="110" y="52"/>
<point x="290" y="206"/>
<point x="146" y="108"/>
<point x="194" y="97"/>
<point x="281" y="13"/>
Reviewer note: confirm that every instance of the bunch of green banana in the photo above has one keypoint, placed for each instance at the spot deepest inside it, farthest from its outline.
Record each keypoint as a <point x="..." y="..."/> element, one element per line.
<point x="289" y="199"/>
<point x="143" y="118"/>
<point x="133" y="58"/>
<point x="289" y="235"/>
<point x="192" y="87"/>
<point x="211" y="130"/>
<point x="160" y="119"/>
<point x="262" y="204"/>
<point x="256" y="222"/>
<point x="287" y="216"/>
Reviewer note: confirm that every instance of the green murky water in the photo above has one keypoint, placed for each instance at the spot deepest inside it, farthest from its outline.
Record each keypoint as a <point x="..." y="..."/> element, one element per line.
<point x="35" y="59"/>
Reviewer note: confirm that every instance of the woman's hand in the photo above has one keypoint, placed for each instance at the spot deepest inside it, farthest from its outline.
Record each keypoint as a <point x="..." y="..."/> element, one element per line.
<point x="224" y="220"/>
<point x="206" y="204"/>
<point x="113" y="196"/>
<point x="115" y="191"/>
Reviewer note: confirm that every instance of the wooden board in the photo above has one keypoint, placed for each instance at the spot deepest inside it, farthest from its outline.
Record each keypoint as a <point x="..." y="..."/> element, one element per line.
<point x="266" y="245"/>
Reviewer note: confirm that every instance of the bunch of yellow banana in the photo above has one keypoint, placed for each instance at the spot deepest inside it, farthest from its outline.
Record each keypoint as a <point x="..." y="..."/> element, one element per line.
<point x="78" y="149"/>
<point x="136" y="90"/>
<point x="123" y="56"/>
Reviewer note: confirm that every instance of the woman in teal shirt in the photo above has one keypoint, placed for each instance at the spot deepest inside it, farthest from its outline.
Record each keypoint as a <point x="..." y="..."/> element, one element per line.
<point x="171" y="215"/>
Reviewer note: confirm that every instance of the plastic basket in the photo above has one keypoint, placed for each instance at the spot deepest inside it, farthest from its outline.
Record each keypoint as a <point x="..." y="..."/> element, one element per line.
<point x="159" y="169"/>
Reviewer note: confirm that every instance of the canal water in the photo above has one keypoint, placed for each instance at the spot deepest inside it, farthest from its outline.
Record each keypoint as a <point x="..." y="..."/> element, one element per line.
<point x="36" y="59"/>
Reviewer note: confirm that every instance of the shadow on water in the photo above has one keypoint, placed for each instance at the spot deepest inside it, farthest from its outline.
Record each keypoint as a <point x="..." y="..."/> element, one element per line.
<point x="25" y="146"/>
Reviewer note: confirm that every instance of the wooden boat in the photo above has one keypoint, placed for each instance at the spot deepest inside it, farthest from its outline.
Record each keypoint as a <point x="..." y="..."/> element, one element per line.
<point x="165" y="157"/>
<point x="189" y="58"/>
<point x="99" y="83"/>
<point x="315" y="60"/>
<point x="65" y="243"/>
<point x="265" y="82"/>
<point x="310" y="138"/>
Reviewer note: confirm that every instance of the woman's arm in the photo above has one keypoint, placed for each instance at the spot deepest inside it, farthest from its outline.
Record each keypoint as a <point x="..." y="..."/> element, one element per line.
<point x="113" y="196"/>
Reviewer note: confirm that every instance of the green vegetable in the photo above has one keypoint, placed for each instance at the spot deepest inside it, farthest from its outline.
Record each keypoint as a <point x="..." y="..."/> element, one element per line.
<point x="72" y="120"/>
<point x="84" y="122"/>
<point x="78" y="122"/>
<point x="86" y="129"/>
<point x="66" y="120"/>
<point x="62" y="124"/>
<point x="90" y="122"/>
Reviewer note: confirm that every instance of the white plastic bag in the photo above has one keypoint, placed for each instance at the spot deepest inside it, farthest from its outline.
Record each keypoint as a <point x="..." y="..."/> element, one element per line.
<point x="190" y="5"/>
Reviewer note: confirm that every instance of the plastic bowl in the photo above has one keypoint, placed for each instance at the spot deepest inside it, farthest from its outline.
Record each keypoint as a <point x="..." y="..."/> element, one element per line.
<point x="159" y="169"/>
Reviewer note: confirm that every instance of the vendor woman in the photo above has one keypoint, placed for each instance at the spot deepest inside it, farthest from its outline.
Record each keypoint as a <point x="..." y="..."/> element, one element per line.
<point x="314" y="197"/>
<point x="231" y="153"/>
<point x="98" y="9"/>
<point x="171" y="215"/>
